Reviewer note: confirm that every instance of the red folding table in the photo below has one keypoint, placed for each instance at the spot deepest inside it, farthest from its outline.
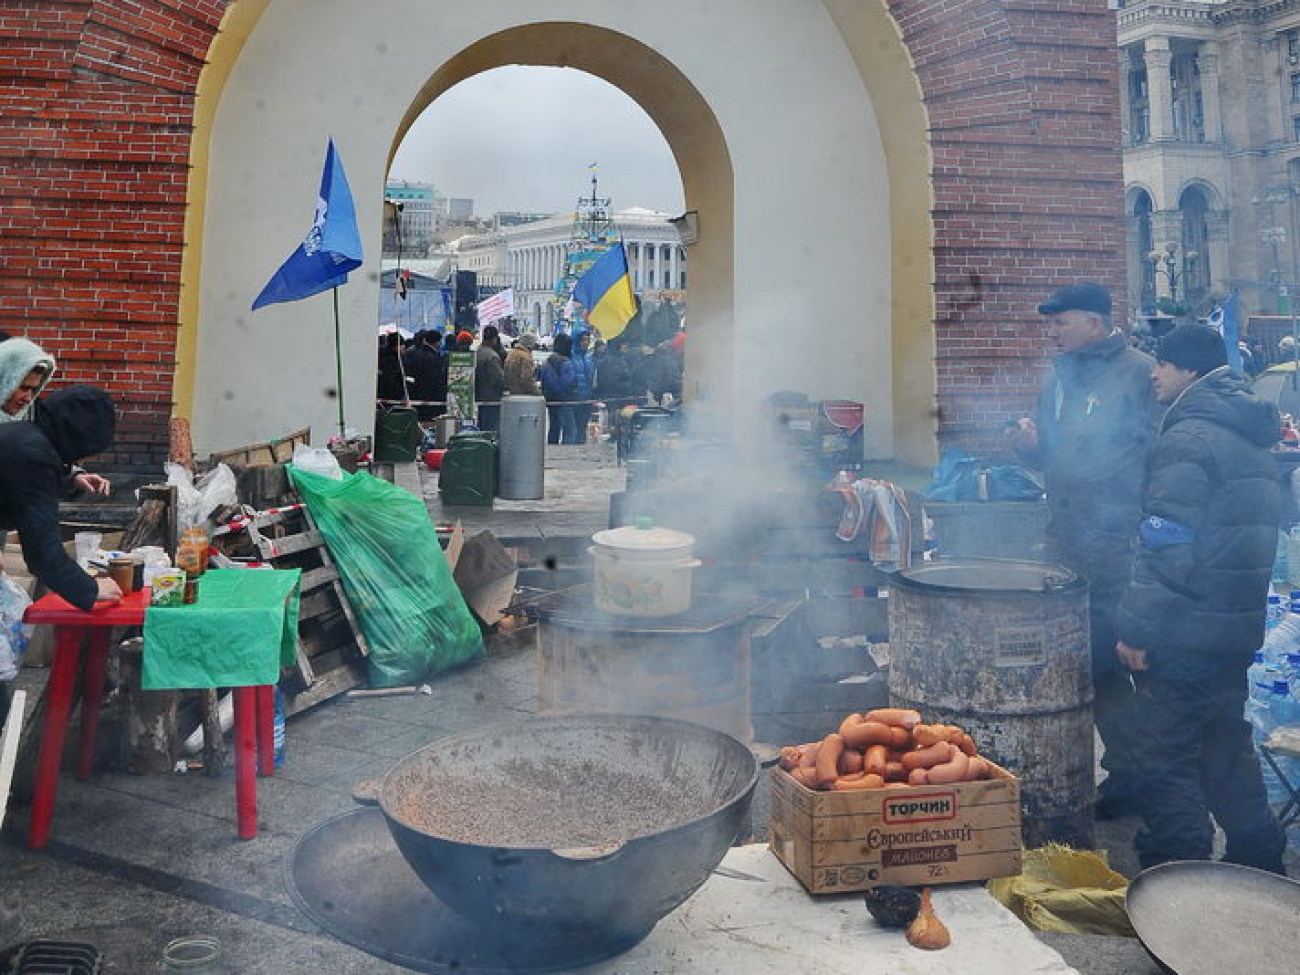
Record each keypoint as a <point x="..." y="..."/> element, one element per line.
<point x="254" y="705"/>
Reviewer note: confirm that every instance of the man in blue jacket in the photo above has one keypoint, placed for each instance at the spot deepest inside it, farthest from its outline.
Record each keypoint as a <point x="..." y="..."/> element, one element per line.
<point x="1193" y="615"/>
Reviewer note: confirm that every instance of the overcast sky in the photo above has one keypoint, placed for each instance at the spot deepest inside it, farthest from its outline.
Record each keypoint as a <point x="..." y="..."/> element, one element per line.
<point x="521" y="138"/>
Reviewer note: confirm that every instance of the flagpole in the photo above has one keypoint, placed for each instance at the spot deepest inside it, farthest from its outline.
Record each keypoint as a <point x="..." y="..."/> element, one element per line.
<point x="338" y="364"/>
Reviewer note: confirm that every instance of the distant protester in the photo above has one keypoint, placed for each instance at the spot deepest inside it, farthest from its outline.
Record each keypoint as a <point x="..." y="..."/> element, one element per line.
<point x="558" y="386"/>
<point x="521" y="369"/>
<point x="489" y="379"/>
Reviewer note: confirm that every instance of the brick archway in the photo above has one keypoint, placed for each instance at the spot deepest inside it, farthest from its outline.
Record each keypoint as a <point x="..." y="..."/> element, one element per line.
<point x="1015" y="156"/>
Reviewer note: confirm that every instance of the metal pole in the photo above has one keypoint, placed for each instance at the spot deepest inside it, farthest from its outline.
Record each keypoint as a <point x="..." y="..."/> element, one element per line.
<point x="338" y="364"/>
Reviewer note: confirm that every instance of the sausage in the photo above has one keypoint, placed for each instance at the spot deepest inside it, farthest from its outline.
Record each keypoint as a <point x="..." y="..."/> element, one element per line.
<point x="900" y="739"/>
<point x="808" y="754"/>
<point x="874" y="760"/>
<point x="805" y="775"/>
<point x="866" y="733"/>
<point x="927" y="757"/>
<point x="967" y="744"/>
<point x="902" y="717"/>
<point x="951" y="771"/>
<point x="918" y="776"/>
<point x="895" y="771"/>
<point x="866" y="780"/>
<point x="979" y="768"/>
<point x="930" y="734"/>
<point x="789" y="757"/>
<point x="828" y="758"/>
<point x="850" y="721"/>
<point x="903" y="784"/>
<point x="850" y="761"/>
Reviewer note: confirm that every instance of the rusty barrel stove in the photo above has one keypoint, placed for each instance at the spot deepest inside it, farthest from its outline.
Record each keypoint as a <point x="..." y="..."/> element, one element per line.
<point x="1001" y="648"/>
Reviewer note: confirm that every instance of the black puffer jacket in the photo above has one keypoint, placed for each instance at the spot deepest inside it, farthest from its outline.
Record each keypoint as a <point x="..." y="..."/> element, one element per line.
<point x="1096" y="419"/>
<point x="1209" y="533"/>
<point x="68" y="425"/>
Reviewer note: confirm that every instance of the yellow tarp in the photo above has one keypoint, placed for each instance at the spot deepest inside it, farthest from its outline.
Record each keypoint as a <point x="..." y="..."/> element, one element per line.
<point x="1068" y="890"/>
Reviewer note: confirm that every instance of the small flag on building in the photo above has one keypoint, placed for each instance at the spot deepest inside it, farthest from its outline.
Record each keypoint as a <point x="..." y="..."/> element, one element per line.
<point x="498" y="306"/>
<point x="606" y="292"/>
<point x="1224" y="321"/>
<point x="331" y="248"/>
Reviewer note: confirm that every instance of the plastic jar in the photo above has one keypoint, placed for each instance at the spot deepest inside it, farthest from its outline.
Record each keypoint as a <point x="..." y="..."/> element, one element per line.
<point x="197" y="954"/>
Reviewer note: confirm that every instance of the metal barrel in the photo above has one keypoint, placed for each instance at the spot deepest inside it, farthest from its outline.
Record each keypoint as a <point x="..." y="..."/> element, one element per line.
<point x="1000" y="647"/>
<point x="522" y="461"/>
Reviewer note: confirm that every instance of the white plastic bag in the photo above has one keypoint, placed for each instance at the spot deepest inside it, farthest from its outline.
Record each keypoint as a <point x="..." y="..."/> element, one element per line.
<point x="14" y="634"/>
<point x="195" y="500"/>
<point x="317" y="460"/>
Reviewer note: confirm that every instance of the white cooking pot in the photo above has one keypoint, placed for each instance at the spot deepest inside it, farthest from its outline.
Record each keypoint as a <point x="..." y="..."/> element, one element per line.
<point x="642" y="570"/>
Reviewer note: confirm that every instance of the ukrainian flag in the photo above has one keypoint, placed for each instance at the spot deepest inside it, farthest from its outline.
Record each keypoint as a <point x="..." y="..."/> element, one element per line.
<point x="606" y="292"/>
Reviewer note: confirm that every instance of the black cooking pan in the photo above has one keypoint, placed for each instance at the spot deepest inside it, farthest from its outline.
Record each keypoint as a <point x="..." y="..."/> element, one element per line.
<point x="596" y="824"/>
<point x="1202" y="917"/>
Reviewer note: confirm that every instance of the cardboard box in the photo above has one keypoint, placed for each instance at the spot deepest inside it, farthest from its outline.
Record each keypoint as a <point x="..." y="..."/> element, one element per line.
<point x="836" y="842"/>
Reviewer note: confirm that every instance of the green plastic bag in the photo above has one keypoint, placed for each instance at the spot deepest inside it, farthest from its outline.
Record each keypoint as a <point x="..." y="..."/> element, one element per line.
<point x="395" y="576"/>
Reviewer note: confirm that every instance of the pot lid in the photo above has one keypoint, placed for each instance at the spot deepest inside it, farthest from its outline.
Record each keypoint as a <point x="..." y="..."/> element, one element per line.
<point x="644" y="536"/>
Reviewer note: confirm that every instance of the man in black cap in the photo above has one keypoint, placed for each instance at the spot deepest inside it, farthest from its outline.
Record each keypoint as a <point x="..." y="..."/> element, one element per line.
<point x="1193" y="615"/>
<point x="1094" y="421"/>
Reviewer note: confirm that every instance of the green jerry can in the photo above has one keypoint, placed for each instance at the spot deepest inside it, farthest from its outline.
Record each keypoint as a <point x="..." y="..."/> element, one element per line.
<point x="469" y="469"/>
<point x="397" y="434"/>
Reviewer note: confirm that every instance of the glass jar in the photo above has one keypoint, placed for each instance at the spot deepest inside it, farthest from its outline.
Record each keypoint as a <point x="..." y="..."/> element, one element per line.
<point x="192" y="551"/>
<point x="197" y="954"/>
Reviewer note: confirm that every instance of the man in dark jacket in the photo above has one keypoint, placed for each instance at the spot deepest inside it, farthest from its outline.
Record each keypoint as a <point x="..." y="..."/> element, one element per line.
<point x="427" y="367"/>
<point x="1094" y="422"/>
<point x="1193" y="614"/>
<point x="68" y="425"/>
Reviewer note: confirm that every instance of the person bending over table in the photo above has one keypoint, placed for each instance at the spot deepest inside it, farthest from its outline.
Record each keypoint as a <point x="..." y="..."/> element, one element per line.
<point x="68" y="425"/>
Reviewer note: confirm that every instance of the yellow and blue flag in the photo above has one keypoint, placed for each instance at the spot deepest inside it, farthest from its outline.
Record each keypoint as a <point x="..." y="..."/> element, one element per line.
<point x="606" y="292"/>
<point x="331" y="248"/>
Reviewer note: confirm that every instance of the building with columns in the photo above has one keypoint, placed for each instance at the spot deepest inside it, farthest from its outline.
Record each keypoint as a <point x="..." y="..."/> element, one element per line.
<point x="1210" y="113"/>
<point x="530" y="258"/>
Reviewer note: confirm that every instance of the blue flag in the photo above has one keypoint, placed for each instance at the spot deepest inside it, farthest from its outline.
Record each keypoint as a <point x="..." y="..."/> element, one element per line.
<point x="331" y="248"/>
<point x="1224" y="321"/>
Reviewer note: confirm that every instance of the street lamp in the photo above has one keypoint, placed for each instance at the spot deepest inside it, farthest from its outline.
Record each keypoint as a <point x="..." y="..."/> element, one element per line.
<point x="1166" y="262"/>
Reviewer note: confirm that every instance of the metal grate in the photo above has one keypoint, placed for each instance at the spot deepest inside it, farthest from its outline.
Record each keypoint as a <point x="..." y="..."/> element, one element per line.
<point x="55" y="958"/>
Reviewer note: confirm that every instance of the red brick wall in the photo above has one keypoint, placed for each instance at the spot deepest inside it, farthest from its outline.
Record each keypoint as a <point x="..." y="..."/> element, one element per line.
<point x="1024" y="118"/>
<point x="96" y="103"/>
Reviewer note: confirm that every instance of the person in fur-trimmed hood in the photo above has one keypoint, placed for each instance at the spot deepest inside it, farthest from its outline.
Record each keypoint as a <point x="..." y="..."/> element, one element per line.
<point x="1193" y="614"/>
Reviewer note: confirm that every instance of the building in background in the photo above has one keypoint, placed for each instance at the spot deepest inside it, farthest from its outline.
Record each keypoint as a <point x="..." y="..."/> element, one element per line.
<point x="417" y="220"/>
<point x="1210" y="110"/>
<point x="530" y="257"/>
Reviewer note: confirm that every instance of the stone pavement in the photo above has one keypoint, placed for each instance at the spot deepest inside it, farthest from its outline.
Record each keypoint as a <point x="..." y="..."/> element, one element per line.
<point x="136" y="861"/>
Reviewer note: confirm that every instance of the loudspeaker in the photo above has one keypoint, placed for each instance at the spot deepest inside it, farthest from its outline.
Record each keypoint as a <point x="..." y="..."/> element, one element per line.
<point x="466" y="290"/>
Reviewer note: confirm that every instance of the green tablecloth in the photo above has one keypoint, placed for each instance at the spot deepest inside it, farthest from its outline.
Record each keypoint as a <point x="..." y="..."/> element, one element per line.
<point x="239" y="633"/>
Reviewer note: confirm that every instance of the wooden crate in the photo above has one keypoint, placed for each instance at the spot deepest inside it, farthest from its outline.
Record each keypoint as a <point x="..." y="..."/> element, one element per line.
<point x="837" y="842"/>
<point x="331" y="648"/>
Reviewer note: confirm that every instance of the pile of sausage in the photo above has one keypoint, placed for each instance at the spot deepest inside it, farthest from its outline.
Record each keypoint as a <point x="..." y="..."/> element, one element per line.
<point x="888" y="748"/>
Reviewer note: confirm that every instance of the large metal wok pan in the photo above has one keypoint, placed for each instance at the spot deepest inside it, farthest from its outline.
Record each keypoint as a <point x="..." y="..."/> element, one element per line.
<point x="601" y="824"/>
<point x="1202" y="917"/>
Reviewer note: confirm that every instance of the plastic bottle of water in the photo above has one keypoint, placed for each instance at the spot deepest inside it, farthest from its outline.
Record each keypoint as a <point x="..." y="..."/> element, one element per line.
<point x="277" y="734"/>
<point x="1265" y="708"/>
<point x="1281" y="569"/>
<point x="1282" y="639"/>
<point x="1274" y="611"/>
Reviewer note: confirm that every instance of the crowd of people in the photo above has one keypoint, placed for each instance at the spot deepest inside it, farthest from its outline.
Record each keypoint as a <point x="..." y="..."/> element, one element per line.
<point x="1163" y="494"/>
<point x="580" y="374"/>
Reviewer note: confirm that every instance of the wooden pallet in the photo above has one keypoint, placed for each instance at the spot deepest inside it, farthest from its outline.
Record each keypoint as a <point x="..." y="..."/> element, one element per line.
<point x="331" y="648"/>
